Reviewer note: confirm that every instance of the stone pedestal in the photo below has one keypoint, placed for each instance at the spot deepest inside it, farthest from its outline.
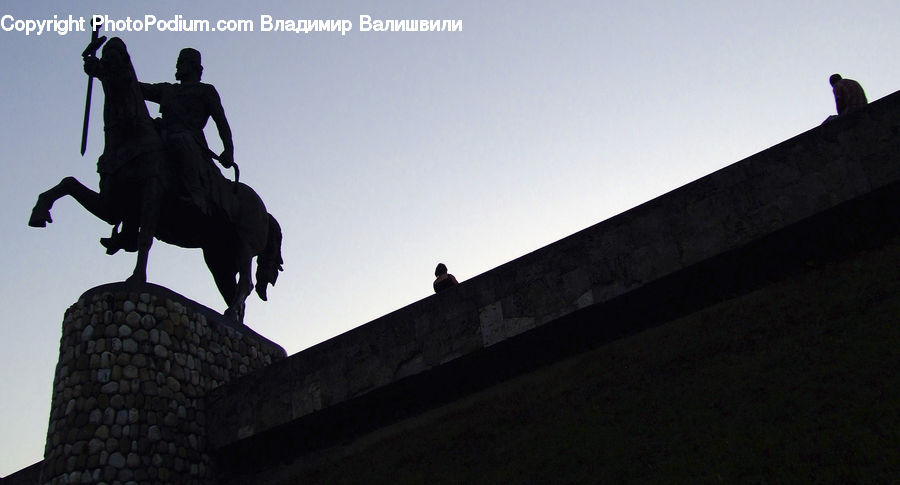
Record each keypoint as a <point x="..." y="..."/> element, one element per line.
<point x="128" y="398"/>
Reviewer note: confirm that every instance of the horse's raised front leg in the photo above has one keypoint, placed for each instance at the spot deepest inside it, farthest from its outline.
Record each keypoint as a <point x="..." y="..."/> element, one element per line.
<point x="90" y="200"/>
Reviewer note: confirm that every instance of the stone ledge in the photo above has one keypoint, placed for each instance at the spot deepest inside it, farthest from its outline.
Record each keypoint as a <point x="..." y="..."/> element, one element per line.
<point x="29" y="475"/>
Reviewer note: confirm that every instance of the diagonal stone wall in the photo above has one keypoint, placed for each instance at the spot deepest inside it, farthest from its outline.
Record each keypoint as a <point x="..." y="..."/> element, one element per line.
<point x="769" y="193"/>
<point x="128" y="398"/>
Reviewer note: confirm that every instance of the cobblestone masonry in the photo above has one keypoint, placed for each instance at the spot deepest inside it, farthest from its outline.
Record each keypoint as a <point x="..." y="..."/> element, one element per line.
<point x="134" y="367"/>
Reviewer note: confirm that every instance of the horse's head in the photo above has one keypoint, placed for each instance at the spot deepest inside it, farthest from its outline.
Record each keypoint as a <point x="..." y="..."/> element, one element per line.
<point x="123" y="101"/>
<point x="115" y="54"/>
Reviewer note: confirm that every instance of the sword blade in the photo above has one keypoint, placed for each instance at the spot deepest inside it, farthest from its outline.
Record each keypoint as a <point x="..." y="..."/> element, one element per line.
<point x="87" y="115"/>
<point x="95" y="35"/>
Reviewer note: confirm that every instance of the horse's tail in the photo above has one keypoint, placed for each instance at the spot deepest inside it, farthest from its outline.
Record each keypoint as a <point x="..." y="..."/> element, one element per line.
<point x="269" y="262"/>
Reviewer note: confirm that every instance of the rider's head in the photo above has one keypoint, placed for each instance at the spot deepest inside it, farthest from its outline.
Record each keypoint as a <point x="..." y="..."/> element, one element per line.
<point x="188" y="67"/>
<point x="834" y="79"/>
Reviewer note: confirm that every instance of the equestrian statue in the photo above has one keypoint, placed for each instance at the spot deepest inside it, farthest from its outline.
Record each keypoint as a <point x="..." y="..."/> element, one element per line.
<point x="158" y="179"/>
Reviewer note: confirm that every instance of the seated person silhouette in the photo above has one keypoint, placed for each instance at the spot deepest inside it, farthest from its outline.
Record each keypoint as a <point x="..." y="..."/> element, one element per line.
<point x="848" y="94"/>
<point x="443" y="279"/>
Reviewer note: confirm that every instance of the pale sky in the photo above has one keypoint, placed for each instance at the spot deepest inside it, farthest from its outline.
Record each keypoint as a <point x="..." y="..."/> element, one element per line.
<point x="384" y="153"/>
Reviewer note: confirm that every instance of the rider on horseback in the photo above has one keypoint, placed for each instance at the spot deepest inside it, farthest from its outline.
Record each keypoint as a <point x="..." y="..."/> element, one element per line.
<point x="185" y="108"/>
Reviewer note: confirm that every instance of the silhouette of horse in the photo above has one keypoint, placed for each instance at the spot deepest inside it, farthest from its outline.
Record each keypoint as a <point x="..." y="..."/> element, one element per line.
<point x="139" y="189"/>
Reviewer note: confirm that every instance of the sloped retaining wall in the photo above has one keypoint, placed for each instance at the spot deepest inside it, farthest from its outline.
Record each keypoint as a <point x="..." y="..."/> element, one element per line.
<point x="748" y="204"/>
<point x="128" y="398"/>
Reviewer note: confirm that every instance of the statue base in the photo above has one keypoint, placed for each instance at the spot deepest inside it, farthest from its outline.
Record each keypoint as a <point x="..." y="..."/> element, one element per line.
<point x="135" y="362"/>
